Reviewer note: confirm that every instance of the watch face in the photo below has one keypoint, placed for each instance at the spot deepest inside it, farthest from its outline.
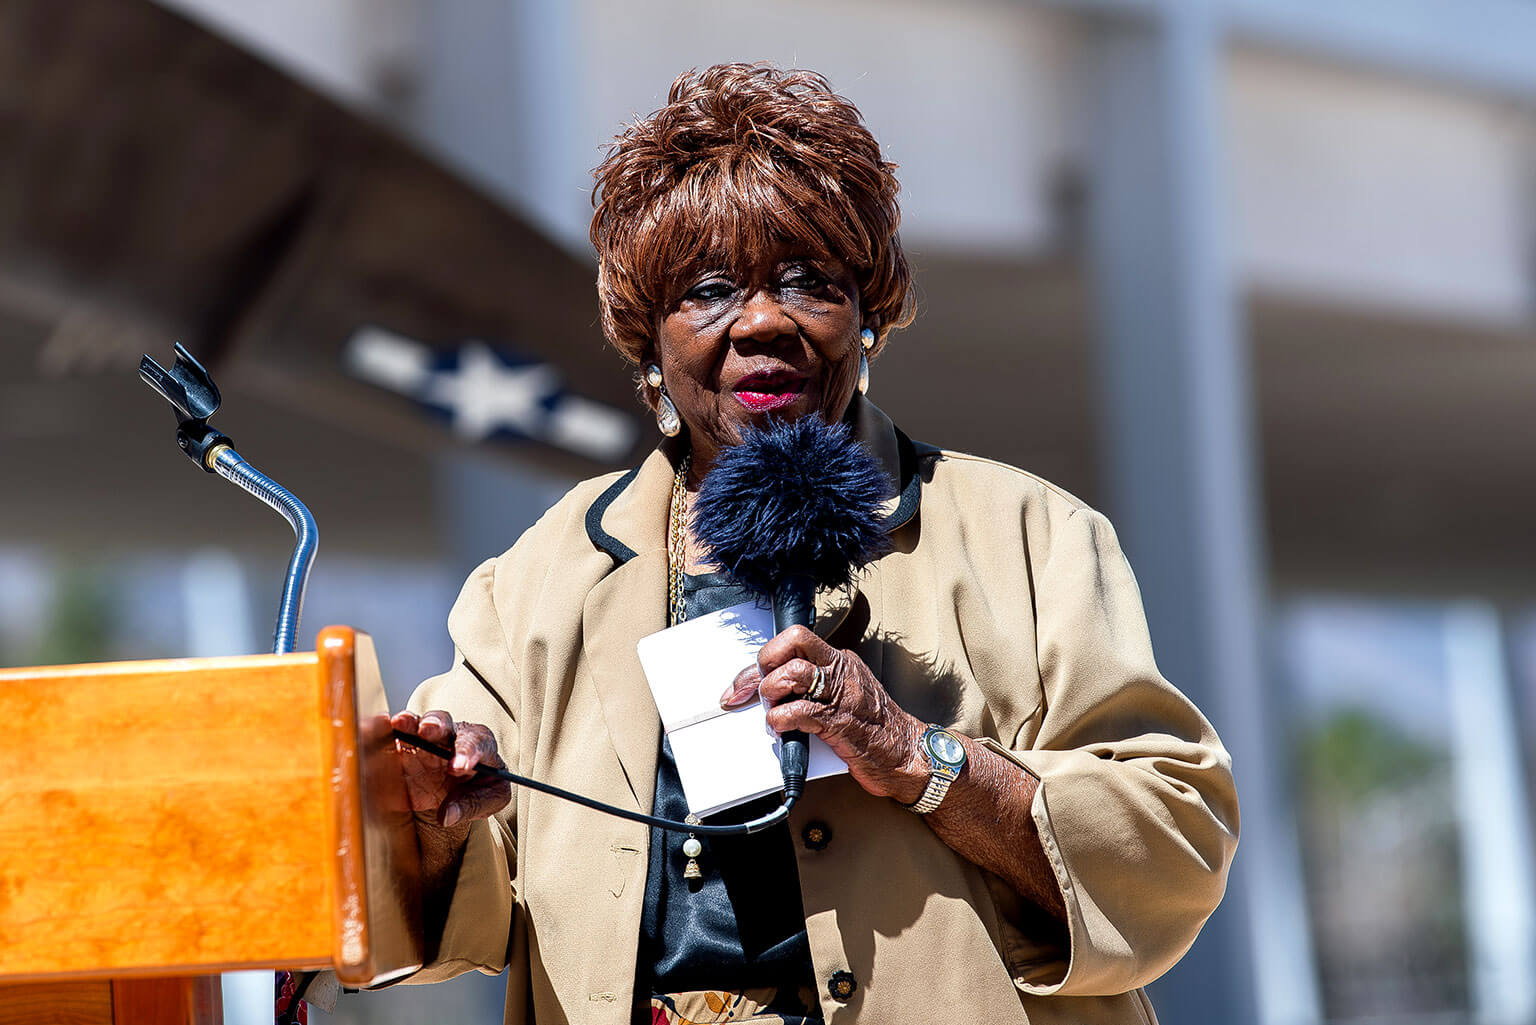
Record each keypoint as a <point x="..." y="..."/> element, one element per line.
<point x="945" y="748"/>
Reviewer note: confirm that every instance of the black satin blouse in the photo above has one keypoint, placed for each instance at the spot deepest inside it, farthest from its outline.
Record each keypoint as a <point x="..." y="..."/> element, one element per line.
<point x="741" y="925"/>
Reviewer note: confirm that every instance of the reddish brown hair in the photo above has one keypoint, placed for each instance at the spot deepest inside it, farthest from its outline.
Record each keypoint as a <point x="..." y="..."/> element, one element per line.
<point x="742" y="156"/>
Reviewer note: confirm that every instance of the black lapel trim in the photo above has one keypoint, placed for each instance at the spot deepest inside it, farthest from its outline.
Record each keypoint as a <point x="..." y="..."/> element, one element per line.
<point x="620" y="551"/>
<point x="911" y="484"/>
<point x="906" y="507"/>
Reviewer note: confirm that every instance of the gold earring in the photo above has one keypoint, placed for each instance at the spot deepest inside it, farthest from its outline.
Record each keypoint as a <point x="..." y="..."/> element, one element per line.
<point x="667" y="420"/>
<point x="867" y="338"/>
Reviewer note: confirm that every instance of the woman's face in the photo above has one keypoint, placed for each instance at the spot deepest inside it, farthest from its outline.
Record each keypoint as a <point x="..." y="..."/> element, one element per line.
<point x="776" y="339"/>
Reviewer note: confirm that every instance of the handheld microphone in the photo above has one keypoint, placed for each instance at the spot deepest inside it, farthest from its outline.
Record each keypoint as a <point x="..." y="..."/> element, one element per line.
<point x="795" y="506"/>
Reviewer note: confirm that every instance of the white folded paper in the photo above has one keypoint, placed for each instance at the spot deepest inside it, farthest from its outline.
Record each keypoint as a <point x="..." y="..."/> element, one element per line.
<point x="724" y="758"/>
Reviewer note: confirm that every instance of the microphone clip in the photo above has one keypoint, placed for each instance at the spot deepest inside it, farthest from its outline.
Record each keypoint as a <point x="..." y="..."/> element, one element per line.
<point x="190" y="390"/>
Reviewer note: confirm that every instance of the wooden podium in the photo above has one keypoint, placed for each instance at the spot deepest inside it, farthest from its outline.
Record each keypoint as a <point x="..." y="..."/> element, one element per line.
<point x="164" y="821"/>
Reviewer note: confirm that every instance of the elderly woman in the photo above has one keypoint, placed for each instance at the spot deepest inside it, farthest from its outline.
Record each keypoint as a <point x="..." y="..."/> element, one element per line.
<point x="1034" y="823"/>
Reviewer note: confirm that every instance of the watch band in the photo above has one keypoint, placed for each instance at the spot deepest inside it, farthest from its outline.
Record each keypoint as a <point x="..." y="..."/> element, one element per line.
<point x="938" y="785"/>
<point x="942" y="771"/>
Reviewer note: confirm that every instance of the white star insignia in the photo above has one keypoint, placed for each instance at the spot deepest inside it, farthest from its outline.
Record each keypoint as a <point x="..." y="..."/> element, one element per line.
<point x="484" y="394"/>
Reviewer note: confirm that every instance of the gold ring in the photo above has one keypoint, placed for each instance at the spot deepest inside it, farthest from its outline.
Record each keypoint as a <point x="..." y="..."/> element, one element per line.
<point x="818" y="688"/>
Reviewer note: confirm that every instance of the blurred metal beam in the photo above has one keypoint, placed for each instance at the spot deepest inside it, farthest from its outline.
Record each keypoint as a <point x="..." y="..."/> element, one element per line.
<point x="1180" y="448"/>
<point x="1484" y="44"/>
<point x="155" y="168"/>
<point x="159" y="183"/>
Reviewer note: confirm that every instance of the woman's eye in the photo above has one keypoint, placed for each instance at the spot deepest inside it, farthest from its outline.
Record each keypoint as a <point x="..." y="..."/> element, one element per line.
<point x="709" y="291"/>
<point x="805" y="279"/>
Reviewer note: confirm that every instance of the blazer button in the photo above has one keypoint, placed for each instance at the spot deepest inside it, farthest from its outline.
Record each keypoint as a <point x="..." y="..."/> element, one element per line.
<point x="817" y="834"/>
<point x="841" y="986"/>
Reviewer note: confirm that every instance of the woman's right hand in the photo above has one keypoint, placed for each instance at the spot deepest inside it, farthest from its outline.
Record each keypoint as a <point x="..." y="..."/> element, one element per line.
<point x="449" y="794"/>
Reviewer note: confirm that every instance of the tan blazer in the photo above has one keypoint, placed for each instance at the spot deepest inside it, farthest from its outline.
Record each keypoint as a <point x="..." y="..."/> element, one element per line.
<point x="1005" y="610"/>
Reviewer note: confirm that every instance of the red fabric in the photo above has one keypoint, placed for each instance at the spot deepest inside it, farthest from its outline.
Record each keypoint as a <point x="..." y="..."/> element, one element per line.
<point x="289" y="1011"/>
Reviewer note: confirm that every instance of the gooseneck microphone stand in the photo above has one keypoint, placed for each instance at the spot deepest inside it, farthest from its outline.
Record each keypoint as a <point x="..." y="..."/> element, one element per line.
<point x="190" y="390"/>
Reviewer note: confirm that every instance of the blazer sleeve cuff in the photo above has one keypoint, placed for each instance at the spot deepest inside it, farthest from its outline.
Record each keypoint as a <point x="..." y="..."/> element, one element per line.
<point x="1135" y="899"/>
<point x="478" y="929"/>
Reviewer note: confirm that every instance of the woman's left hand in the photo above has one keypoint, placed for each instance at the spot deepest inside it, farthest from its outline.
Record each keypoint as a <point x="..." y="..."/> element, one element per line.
<point x="856" y="717"/>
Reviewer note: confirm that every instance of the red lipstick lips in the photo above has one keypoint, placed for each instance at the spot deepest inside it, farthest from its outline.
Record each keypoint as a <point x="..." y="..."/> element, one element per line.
<point x="768" y="390"/>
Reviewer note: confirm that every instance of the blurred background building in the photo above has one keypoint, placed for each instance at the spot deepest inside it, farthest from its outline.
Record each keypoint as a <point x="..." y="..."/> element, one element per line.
<point x="1256" y="277"/>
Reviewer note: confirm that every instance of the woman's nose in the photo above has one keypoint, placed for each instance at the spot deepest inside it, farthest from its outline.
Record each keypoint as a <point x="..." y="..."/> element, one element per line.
<point x="763" y="318"/>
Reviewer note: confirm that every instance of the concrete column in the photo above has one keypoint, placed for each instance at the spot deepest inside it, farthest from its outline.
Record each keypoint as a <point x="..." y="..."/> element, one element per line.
<point x="1495" y="820"/>
<point x="1180" y="456"/>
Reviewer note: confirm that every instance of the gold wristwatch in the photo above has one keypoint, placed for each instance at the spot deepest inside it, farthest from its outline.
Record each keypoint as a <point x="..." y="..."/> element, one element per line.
<point x="946" y="757"/>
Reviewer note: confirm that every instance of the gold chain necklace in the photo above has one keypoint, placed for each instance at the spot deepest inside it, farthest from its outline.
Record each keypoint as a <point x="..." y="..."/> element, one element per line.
<point x="677" y="535"/>
<point x="677" y="610"/>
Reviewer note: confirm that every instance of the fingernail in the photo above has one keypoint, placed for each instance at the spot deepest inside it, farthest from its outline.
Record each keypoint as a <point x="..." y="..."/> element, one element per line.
<point x="451" y="815"/>
<point x="461" y="763"/>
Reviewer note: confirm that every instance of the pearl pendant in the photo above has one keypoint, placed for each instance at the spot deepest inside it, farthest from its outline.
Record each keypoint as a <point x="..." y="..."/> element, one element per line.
<point x="667" y="420"/>
<point x="693" y="849"/>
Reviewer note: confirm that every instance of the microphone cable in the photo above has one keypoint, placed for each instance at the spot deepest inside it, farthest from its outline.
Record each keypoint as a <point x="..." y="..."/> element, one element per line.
<point x="757" y="825"/>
